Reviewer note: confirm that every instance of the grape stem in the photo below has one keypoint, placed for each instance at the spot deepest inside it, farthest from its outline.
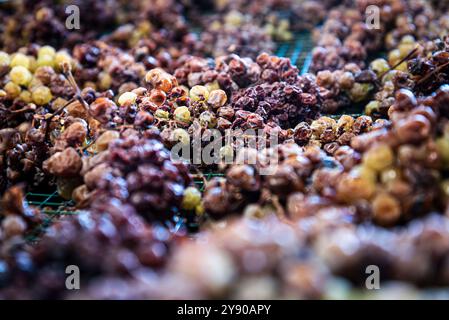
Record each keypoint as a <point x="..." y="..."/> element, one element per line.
<point x="430" y="74"/>
<point x="407" y="57"/>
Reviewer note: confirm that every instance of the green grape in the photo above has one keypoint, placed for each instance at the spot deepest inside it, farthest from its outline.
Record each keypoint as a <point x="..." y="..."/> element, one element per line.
<point x="394" y="56"/>
<point x="371" y="107"/>
<point x="127" y="99"/>
<point x="105" y="80"/>
<point x="199" y="209"/>
<point x="443" y="149"/>
<point x="406" y="48"/>
<point x="5" y="60"/>
<point x="62" y="57"/>
<point x="13" y="90"/>
<point x="408" y="39"/>
<point x="35" y="82"/>
<point x="20" y="75"/>
<point x="181" y="135"/>
<point x="402" y="67"/>
<point x="199" y="93"/>
<point x="208" y="119"/>
<point x="19" y="59"/>
<point x="359" y="91"/>
<point x="234" y="18"/>
<point x="105" y="138"/>
<point x="46" y="50"/>
<point x="161" y="114"/>
<point x="364" y="172"/>
<point x="389" y="76"/>
<point x="380" y="66"/>
<point x="45" y="60"/>
<point x="41" y="95"/>
<point x="444" y="185"/>
<point x="389" y="175"/>
<point x="191" y="198"/>
<point x="182" y="114"/>
<point x="211" y="86"/>
<point x="33" y="64"/>
<point x="26" y="97"/>
<point x="227" y="152"/>
<point x="379" y="157"/>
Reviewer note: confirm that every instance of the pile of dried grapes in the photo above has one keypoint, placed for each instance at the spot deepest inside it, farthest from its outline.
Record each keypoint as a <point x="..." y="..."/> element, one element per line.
<point x="122" y="116"/>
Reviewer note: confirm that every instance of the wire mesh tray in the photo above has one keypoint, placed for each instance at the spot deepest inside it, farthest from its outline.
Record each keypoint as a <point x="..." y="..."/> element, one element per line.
<point x="299" y="50"/>
<point x="51" y="204"/>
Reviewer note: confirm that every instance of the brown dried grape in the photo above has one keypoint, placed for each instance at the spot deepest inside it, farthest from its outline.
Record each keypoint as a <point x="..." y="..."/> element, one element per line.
<point x="386" y="209"/>
<point x="65" y="164"/>
<point x="413" y="129"/>
<point x="352" y="189"/>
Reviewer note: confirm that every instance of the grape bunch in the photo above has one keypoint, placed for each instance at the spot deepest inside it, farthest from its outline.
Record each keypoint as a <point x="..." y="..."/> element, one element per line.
<point x="105" y="67"/>
<point x="227" y="264"/>
<point x="127" y="244"/>
<point x="138" y="171"/>
<point x="233" y="33"/>
<point x="397" y="252"/>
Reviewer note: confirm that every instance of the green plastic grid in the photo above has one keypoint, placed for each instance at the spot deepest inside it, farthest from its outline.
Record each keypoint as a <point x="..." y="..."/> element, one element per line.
<point x="50" y="203"/>
<point x="299" y="50"/>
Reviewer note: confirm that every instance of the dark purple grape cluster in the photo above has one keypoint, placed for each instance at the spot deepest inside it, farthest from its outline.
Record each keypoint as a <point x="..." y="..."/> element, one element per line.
<point x="233" y="72"/>
<point x="125" y="242"/>
<point x="283" y="103"/>
<point x="138" y="171"/>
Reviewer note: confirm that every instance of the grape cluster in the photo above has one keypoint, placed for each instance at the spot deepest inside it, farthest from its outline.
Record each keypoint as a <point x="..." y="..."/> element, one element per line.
<point x="44" y="22"/>
<point x="402" y="161"/>
<point x="105" y="67"/>
<point x="32" y="76"/>
<point x="345" y="41"/>
<point x="126" y="243"/>
<point x="233" y="72"/>
<point x="418" y="258"/>
<point x="430" y="69"/>
<point x="233" y="33"/>
<point x="21" y="158"/>
<point x="268" y="178"/>
<point x="330" y="134"/>
<point x="280" y="102"/>
<point x="182" y="113"/>
<point x="279" y="18"/>
<point x="138" y="171"/>
<point x="226" y="264"/>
